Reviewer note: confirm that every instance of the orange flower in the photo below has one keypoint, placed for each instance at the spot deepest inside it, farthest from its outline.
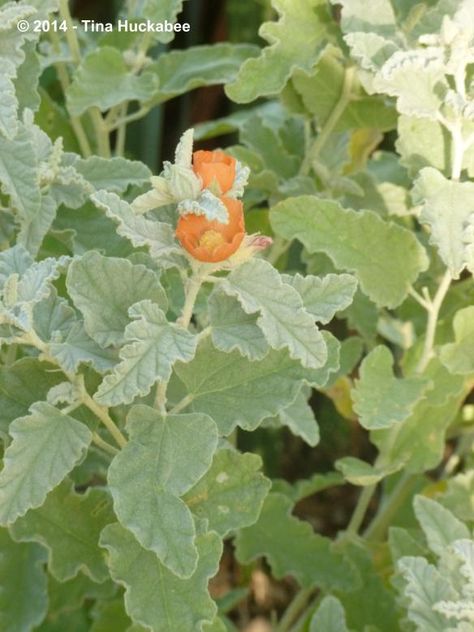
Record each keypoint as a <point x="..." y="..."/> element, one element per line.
<point x="215" y="166"/>
<point x="212" y="241"/>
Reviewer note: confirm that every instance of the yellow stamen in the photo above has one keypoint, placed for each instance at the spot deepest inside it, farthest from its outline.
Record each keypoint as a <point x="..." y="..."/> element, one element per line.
<point x="211" y="239"/>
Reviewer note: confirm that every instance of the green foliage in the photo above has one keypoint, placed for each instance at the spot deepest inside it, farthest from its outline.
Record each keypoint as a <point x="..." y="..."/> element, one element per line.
<point x="160" y="394"/>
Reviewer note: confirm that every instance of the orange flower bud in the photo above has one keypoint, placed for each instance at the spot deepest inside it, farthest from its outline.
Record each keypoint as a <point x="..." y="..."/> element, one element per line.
<point x="212" y="241"/>
<point x="215" y="167"/>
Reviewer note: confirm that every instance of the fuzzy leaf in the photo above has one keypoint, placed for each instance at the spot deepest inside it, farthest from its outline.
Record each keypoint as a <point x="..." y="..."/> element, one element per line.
<point x="447" y="209"/>
<point x="361" y="473"/>
<point x="425" y="586"/>
<point x="104" y="288"/>
<point x="21" y="384"/>
<point x="231" y="493"/>
<point x="380" y="399"/>
<point x="23" y="585"/>
<point x="157" y="236"/>
<point x="324" y="296"/>
<point x="322" y="90"/>
<point x="420" y="440"/>
<point x="152" y="347"/>
<point x="282" y="317"/>
<point x="385" y="257"/>
<point x="299" y="21"/>
<point x="112" y="174"/>
<point x="46" y="445"/>
<point x="292" y="548"/>
<point x="69" y="526"/>
<point x="164" y="458"/>
<point x="299" y="418"/>
<point x="459" y="356"/>
<point x="182" y="70"/>
<point x="232" y="328"/>
<point x="329" y="617"/>
<point x="234" y="391"/>
<point x="421" y="68"/>
<point x="79" y="348"/>
<point x="154" y="596"/>
<point x="18" y="173"/>
<point x="440" y="526"/>
<point x="103" y="80"/>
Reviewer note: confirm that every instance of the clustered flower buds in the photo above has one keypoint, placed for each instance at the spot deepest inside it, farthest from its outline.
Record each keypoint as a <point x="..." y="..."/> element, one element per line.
<point x="206" y="186"/>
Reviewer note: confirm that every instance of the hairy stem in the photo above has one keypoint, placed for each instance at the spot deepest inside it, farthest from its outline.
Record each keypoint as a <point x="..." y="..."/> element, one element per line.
<point x="433" y="314"/>
<point x="102" y="413"/>
<point x="295" y="609"/>
<point x="331" y="122"/>
<point x="101" y="443"/>
<point x="360" y="510"/>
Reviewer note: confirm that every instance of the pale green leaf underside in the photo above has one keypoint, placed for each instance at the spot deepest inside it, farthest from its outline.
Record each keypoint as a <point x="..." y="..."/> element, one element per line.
<point x="182" y="70"/>
<point x="154" y="596"/>
<point x="158" y="237"/>
<point x="152" y="347"/>
<point x="69" y="525"/>
<point x="424" y="586"/>
<point x="112" y="174"/>
<point x="230" y="495"/>
<point x="361" y="473"/>
<point x="283" y="319"/>
<point x="385" y="257"/>
<point x="232" y="328"/>
<point x="164" y="458"/>
<point x="103" y="80"/>
<point x="104" y="288"/>
<point x="448" y="211"/>
<point x="329" y="617"/>
<point x="234" y="391"/>
<point x="440" y="526"/>
<point x="46" y="446"/>
<point x="380" y="399"/>
<point x="292" y="548"/>
<point x="300" y="21"/>
<point x="458" y="356"/>
<point x="299" y="418"/>
<point x="324" y="296"/>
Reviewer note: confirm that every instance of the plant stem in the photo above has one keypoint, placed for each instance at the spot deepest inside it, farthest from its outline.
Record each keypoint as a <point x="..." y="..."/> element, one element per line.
<point x="125" y="120"/>
<point x="331" y="122"/>
<point x="76" y="124"/>
<point x="192" y="287"/>
<point x="433" y="314"/>
<point x="71" y="36"/>
<point x="294" y="610"/>
<point x="102" y="132"/>
<point x="97" y="439"/>
<point x="187" y="399"/>
<point x="360" y="510"/>
<point x="101" y="413"/>
<point x="379" y="525"/>
<point x="121" y="131"/>
<point x="160" y="397"/>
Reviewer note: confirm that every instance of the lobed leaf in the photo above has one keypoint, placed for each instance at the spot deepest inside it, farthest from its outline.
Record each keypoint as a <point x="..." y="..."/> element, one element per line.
<point x="104" y="288"/>
<point x="153" y="345"/>
<point x="69" y="525"/>
<point x="299" y="21"/>
<point x="231" y="493"/>
<point x="164" y="458"/>
<point x="155" y="597"/>
<point x="234" y="391"/>
<point x="46" y="445"/>
<point x="104" y="80"/>
<point x="292" y="548"/>
<point x="282" y="318"/>
<point x="385" y="257"/>
<point x="380" y="399"/>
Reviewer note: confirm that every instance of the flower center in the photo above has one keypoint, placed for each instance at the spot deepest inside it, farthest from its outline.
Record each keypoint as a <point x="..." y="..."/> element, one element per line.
<point x="211" y="239"/>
